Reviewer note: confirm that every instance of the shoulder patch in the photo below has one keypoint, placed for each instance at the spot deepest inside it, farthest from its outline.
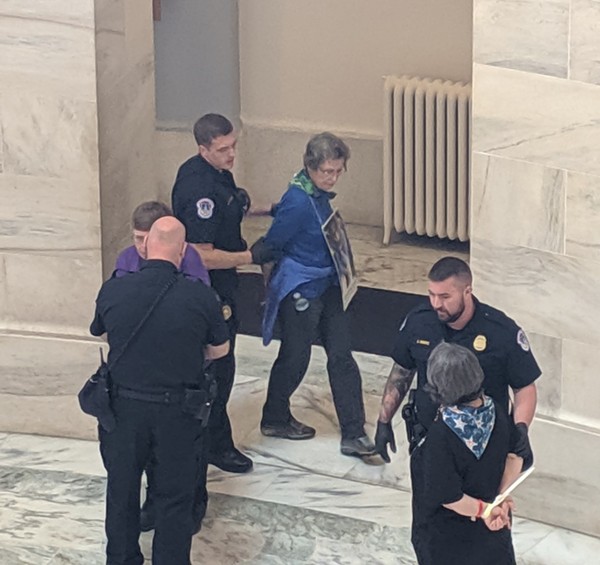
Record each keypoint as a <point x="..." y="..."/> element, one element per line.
<point x="205" y="207"/>
<point x="522" y="340"/>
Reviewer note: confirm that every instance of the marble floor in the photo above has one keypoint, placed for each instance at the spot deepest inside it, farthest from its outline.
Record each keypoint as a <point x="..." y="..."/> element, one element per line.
<point x="303" y="503"/>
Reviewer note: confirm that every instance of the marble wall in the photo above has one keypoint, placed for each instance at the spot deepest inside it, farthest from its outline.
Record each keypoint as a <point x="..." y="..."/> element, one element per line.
<point x="535" y="216"/>
<point x="49" y="189"/>
<point x="76" y="153"/>
<point x="126" y="116"/>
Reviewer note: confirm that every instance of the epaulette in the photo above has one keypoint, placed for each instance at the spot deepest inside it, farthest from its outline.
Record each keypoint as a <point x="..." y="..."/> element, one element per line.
<point x="494" y="315"/>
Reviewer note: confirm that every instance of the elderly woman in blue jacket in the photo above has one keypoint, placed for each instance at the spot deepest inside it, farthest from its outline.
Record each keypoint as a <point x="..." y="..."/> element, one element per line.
<point x="304" y="294"/>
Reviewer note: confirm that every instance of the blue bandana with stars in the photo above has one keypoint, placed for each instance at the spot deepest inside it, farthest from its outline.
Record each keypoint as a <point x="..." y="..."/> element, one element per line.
<point x="472" y="425"/>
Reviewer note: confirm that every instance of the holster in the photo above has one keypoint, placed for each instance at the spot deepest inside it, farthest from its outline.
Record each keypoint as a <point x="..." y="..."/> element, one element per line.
<point x="415" y="431"/>
<point x="197" y="402"/>
<point x="94" y="397"/>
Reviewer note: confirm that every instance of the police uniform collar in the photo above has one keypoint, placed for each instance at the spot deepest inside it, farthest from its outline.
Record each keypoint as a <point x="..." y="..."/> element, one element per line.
<point x="205" y="163"/>
<point x="476" y="306"/>
<point x="161" y="264"/>
<point x="476" y="313"/>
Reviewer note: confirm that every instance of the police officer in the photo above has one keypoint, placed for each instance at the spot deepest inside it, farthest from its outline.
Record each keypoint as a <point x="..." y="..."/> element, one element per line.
<point x="155" y="395"/>
<point x="211" y="207"/>
<point x="454" y="315"/>
<point x="129" y="261"/>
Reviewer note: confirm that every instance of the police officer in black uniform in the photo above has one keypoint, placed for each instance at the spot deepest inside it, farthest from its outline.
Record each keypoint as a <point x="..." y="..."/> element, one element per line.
<point x="207" y="201"/>
<point x="155" y="391"/>
<point x="454" y="315"/>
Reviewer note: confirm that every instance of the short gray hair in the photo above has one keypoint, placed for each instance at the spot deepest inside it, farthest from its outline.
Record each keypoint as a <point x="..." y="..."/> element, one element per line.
<point x="454" y="375"/>
<point x="325" y="147"/>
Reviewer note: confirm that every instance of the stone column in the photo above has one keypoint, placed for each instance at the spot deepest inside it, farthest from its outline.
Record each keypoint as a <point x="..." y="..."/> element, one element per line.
<point x="76" y="134"/>
<point x="126" y="116"/>
<point x="536" y="219"/>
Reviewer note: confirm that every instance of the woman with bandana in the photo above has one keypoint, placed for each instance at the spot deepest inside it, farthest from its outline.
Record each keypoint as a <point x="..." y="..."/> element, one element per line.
<point x="467" y="462"/>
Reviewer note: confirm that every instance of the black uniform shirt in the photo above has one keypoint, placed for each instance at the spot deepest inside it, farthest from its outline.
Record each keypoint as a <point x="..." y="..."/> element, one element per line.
<point x="210" y="206"/>
<point x="168" y="351"/>
<point x="499" y="344"/>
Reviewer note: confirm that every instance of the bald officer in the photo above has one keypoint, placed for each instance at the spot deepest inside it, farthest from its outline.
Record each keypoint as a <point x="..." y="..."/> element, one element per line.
<point x="154" y="391"/>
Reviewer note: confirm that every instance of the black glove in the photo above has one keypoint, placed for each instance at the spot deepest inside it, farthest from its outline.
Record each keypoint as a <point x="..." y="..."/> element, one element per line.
<point x="242" y="196"/>
<point x="383" y="436"/>
<point x="263" y="253"/>
<point x="522" y="446"/>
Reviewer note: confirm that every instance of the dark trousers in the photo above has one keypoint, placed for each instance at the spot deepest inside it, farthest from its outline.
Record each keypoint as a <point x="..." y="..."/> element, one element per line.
<point x="325" y="318"/>
<point x="418" y="536"/>
<point x="220" y="437"/>
<point x="171" y="439"/>
<point x="200" y="494"/>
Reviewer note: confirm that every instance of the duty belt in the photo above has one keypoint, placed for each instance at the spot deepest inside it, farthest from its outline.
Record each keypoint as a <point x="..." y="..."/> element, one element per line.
<point x="156" y="397"/>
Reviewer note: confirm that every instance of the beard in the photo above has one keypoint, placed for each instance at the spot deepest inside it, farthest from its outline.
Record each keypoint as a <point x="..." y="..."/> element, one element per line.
<point x="449" y="318"/>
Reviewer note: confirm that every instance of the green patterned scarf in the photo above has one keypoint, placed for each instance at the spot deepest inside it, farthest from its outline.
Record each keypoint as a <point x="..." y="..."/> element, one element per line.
<point x="303" y="182"/>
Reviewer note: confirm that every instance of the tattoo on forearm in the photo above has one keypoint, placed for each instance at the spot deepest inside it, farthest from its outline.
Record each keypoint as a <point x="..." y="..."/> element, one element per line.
<point x="396" y="388"/>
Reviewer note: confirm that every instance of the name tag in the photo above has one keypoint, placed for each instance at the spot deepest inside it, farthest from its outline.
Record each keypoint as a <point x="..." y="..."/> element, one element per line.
<point x="422" y="342"/>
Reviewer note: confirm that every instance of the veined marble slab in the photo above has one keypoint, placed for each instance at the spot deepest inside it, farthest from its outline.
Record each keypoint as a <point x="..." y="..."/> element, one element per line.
<point x="583" y="216"/>
<point x="585" y="41"/>
<point x="535" y="118"/>
<point x="518" y="203"/>
<point x="307" y="489"/>
<point x="526" y="35"/>
<point x="559" y="306"/>
<point x="48" y="46"/>
<point x="43" y="453"/>
<point x="27" y="222"/>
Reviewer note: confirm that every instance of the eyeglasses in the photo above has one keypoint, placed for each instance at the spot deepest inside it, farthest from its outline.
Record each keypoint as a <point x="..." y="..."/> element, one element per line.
<point x="331" y="172"/>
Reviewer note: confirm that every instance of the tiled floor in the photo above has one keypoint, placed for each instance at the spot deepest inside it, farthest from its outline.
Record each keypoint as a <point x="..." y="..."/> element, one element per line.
<point x="303" y="503"/>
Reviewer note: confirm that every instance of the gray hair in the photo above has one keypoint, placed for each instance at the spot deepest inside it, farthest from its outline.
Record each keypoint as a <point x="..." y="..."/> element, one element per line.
<point x="454" y="375"/>
<point x="325" y="147"/>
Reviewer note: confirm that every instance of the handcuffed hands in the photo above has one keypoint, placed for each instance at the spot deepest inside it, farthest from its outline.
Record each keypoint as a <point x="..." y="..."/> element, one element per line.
<point x="384" y="436"/>
<point x="501" y="516"/>
<point x="263" y="253"/>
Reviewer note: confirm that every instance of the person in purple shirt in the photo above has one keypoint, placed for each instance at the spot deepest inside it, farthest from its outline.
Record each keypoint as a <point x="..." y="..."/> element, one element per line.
<point x="131" y="258"/>
<point x="129" y="261"/>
